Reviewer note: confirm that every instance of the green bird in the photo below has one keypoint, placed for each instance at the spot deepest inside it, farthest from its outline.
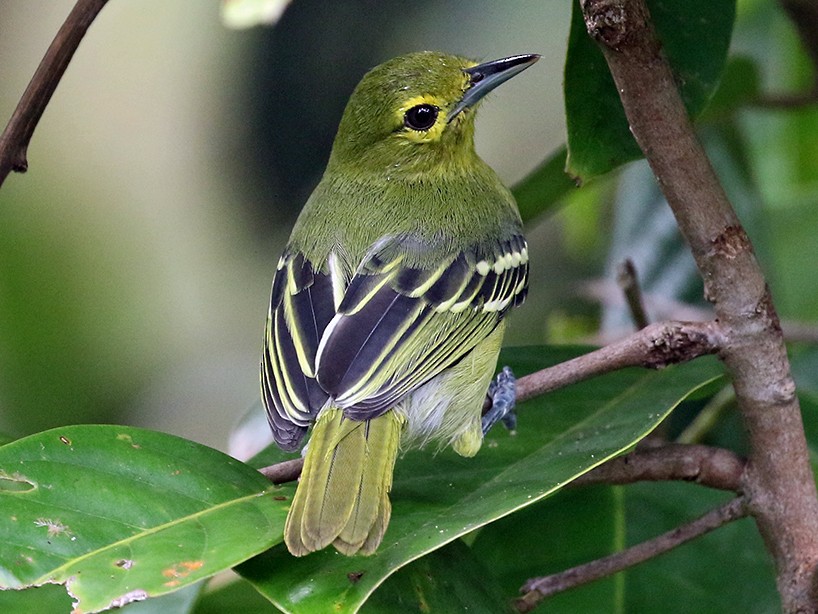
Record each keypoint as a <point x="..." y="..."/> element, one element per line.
<point x="387" y="307"/>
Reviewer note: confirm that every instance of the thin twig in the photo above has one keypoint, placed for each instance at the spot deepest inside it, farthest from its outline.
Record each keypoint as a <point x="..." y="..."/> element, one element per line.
<point x="285" y="471"/>
<point x="800" y="332"/>
<point x="628" y="281"/>
<point x="17" y="135"/>
<point x="779" y="482"/>
<point x="655" y="346"/>
<point x="786" y="102"/>
<point x="537" y="589"/>
<point x="705" y="465"/>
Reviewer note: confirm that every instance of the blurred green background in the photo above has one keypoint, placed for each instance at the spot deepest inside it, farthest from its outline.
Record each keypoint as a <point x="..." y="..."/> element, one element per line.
<point x="137" y="252"/>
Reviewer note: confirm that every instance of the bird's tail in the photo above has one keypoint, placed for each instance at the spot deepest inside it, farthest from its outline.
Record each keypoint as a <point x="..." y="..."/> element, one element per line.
<point x="343" y="494"/>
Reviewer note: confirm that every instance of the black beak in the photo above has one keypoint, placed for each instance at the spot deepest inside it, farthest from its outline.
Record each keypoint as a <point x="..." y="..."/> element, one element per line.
<point x="485" y="77"/>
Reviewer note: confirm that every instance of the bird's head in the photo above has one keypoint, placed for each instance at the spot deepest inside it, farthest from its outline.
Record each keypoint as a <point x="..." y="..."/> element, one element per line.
<point x="415" y="113"/>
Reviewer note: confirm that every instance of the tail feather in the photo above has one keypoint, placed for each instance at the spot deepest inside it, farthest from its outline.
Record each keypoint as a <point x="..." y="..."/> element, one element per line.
<point x="337" y="474"/>
<point x="373" y="540"/>
<point x="342" y="497"/>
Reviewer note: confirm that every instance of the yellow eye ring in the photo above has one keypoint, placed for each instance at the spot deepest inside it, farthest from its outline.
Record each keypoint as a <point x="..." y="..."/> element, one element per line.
<point x="423" y="119"/>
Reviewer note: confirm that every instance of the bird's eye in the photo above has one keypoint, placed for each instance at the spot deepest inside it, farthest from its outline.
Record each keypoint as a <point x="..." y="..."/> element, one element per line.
<point x="420" y="117"/>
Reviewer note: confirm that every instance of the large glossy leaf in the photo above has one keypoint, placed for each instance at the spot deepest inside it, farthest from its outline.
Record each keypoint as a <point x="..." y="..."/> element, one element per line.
<point x="438" y="498"/>
<point x="695" y="36"/>
<point x="451" y="579"/>
<point x="572" y="527"/>
<point x="119" y="514"/>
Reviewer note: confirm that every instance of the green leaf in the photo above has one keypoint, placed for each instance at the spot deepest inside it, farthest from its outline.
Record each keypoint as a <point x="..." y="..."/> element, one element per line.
<point x="572" y="527"/>
<point x="49" y="598"/>
<point x="178" y="602"/>
<point x="695" y="36"/>
<point x="451" y="579"/>
<point x="438" y="498"/>
<point x="119" y="513"/>
<point x="727" y="570"/>
<point x="740" y="84"/>
<point x="542" y="190"/>
<point x="236" y="596"/>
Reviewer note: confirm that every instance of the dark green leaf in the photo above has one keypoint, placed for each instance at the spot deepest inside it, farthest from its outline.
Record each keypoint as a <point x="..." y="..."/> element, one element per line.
<point x="447" y="580"/>
<point x="739" y="85"/>
<point x="438" y="498"/>
<point x="727" y="570"/>
<point x="572" y="527"/>
<point x="695" y="36"/>
<point x="238" y="596"/>
<point x="541" y="191"/>
<point x="120" y="513"/>
<point x="48" y="598"/>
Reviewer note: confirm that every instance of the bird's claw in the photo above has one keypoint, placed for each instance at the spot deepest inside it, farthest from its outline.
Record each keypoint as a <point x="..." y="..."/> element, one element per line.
<point x="503" y="392"/>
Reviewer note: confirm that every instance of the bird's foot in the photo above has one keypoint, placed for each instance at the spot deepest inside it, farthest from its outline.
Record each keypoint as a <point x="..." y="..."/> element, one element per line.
<point x="502" y="392"/>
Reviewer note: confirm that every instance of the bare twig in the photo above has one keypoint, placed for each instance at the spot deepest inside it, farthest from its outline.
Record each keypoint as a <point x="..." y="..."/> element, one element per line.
<point x="705" y="465"/>
<point x="628" y="281"/>
<point x="655" y="346"/>
<point x="17" y="135"/>
<point x="784" y="102"/>
<point x="286" y="471"/>
<point x="778" y="482"/>
<point x="800" y="332"/>
<point x="537" y="589"/>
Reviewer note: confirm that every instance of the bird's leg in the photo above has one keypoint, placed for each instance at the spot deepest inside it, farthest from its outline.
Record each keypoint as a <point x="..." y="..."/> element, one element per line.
<point x="502" y="392"/>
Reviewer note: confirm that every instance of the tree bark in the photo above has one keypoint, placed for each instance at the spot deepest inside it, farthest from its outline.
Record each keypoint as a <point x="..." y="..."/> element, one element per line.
<point x="778" y="483"/>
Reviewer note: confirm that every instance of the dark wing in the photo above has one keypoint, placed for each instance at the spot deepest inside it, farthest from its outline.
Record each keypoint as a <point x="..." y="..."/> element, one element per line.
<point x="301" y="305"/>
<point x="399" y="325"/>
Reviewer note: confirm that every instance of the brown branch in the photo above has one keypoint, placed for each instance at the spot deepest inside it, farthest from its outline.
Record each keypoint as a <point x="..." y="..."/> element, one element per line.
<point x="705" y="465"/>
<point x="779" y="483"/>
<point x="285" y="471"/>
<point x="537" y="589"/>
<point x="17" y="135"/>
<point x="654" y="346"/>
<point x="786" y="102"/>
